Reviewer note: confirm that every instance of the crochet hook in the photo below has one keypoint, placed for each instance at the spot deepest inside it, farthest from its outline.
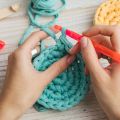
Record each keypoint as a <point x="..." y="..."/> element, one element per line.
<point x="98" y="47"/>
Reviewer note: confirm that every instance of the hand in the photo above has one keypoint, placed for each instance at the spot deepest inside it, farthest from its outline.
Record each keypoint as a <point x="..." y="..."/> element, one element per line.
<point x="106" y="82"/>
<point x="23" y="84"/>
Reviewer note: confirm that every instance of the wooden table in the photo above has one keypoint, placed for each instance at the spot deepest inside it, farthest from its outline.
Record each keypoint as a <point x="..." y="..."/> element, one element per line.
<point x="77" y="16"/>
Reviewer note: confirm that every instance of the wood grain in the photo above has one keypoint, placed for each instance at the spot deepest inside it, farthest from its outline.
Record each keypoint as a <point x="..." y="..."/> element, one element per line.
<point x="77" y="16"/>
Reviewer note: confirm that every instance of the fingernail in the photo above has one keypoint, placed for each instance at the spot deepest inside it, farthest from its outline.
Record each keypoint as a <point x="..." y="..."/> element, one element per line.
<point x="70" y="59"/>
<point x="74" y="49"/>
<point x="84" y="42"/>
<point x="35" y="51"/>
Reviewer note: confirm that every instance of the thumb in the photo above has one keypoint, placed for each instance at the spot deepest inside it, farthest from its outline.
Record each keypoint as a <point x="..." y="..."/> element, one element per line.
<point x="90" y="57"/>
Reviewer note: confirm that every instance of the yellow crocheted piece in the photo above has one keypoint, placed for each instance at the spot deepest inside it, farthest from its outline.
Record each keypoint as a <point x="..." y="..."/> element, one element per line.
<point x="108" y="13"/>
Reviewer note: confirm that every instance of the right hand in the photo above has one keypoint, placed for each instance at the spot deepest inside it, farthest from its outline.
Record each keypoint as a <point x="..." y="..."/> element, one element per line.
<point x="106" y="82"/>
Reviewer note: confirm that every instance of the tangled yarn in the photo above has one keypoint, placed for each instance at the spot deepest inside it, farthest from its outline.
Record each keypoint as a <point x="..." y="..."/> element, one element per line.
<point x="70" y="87"/>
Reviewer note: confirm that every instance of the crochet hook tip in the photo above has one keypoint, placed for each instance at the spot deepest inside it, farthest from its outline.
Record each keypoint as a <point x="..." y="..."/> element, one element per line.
<point x="70" y="33"/>
<point x="99" y="48"/>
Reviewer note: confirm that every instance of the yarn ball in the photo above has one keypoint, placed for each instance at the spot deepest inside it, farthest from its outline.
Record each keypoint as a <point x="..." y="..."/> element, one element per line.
<point x="44" y="8"/>
<point x="67" y="89"/>
<point x="108" y="13"/>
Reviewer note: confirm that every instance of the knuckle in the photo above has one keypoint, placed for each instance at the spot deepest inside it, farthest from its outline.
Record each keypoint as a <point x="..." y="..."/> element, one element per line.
<point x="17" y="53"/>
<point x="35" y="33"/>
<point x="97" y="27"/>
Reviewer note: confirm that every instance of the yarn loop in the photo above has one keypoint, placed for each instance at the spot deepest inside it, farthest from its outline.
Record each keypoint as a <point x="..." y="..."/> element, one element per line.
<point x="40" y="8"/>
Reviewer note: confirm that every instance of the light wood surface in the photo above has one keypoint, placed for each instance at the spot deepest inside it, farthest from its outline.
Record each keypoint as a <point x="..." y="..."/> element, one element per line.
<point x="77" y="16"/>
<point x="7" y="11"/>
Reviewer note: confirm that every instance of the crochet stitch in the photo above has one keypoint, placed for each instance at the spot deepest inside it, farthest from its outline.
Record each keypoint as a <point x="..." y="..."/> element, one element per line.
<point x="108" y="13"/>
<point x="70" y="87"/>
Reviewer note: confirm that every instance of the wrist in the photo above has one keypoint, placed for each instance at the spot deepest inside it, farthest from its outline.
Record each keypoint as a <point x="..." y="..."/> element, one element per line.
<point x="8" y="111"/>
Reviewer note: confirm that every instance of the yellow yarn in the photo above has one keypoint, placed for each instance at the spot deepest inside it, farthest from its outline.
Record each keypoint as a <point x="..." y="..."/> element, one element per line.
<point x="108" y="13"/>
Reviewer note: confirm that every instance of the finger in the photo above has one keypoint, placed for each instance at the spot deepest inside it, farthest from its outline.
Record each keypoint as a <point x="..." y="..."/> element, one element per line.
<point x="115" y="70"/>
<point x="91" y="59"/>
<point x="100" y="29"/>
<point x="108" y="69"/>
<point x="58" y="67"/>
<point x="112" y="31"/>
<point x="75" y="49"/>
<point x="35" y="38"/>
<point x="103" y="40"/>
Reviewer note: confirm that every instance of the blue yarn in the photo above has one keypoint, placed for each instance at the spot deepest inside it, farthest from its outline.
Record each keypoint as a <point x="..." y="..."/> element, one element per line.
<point x="70" y="87"/>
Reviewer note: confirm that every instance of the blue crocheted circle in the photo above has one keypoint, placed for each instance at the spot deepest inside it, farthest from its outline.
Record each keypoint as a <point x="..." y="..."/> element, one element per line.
<point x="70" y="87"/>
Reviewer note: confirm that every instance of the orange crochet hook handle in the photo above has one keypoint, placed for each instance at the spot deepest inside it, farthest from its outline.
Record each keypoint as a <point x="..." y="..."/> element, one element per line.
<point x="106" y="51"/>
<point x="98" y="47"/>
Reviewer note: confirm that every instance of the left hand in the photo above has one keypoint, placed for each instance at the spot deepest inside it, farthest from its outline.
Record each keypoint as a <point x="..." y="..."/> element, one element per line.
<point x="23" y="84"/>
